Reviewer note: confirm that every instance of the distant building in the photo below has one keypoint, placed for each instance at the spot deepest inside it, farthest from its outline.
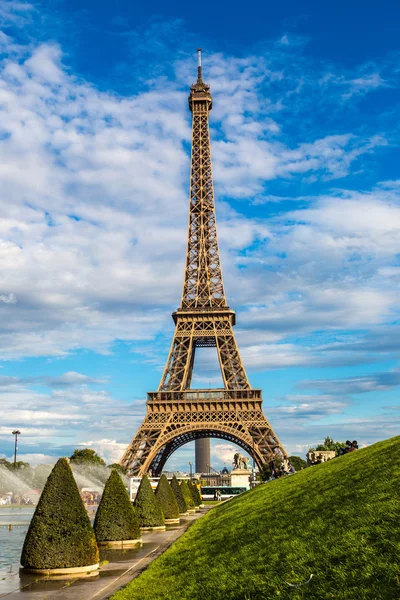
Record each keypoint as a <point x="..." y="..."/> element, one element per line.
<point x="320" y="456"/>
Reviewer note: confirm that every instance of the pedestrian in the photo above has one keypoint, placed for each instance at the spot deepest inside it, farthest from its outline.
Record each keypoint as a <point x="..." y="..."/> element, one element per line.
<point x="272" y="468"/>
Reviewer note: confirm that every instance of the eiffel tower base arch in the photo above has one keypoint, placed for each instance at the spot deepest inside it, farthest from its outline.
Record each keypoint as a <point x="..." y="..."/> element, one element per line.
<point x="176" y="418"/>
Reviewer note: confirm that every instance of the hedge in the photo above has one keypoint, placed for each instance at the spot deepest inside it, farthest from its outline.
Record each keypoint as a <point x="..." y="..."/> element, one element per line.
<point x="166" y="498"/>
<point x="195" y="493"/>
<point x="147" y="506"/>
<point x="60" y="534"/>
<point x="187" y="495"/>
<point x="176" y="488"/>
<point x="116" y="519"/>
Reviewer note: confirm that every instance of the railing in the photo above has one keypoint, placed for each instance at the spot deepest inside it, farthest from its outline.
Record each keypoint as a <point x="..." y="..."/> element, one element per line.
<point x="204" y="395"/>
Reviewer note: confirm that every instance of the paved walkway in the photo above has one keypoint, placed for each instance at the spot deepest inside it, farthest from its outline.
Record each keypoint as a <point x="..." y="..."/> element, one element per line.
<point x="123" y="566"/>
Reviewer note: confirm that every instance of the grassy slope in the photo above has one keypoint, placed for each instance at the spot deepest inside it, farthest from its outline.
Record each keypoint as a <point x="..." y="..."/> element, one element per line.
<point x="339" y="520"/>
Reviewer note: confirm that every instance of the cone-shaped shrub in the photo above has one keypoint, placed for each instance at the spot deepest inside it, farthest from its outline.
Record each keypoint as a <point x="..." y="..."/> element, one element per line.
<point x="195" y="493"/>
<point x="116" y="519"/>
<point x="147" y="506"/>
<point x="176" y="488"/>
<point x="166" y="498"/>
<point x="187" y="495"/>
<point x="198" y="494"/>
<point x="192" y="492"/>
<point x="60" y="534"/>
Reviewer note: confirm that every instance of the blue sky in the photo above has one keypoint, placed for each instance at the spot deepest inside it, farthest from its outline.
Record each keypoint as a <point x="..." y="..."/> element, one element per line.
<point x="94" y="165"/>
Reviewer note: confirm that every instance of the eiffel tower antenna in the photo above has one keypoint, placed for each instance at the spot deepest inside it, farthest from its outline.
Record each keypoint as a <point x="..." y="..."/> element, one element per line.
<point x="177" y="414"/>
<point x="199" y="70"/>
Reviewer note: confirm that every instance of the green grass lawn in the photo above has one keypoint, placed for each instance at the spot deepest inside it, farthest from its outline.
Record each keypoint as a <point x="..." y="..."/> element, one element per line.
<point x="339" y="521"/>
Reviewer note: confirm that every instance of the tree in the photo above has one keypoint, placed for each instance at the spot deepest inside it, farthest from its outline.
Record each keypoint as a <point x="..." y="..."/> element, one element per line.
<point x="187" y="495"/>
<point x="176" y="488"/>
<point x="20" y="464"/>
<point x="265" y="472"/>
<point x="329" y="444"/>
<point x="117" y="467"/>
<point x="166" y="498"/>
<point x="147" y="506"/>
<point x="116" y="519"/>
<point x="86" y="456"/>
<point x="60" y="534"/>
<point x="297" y="462"/>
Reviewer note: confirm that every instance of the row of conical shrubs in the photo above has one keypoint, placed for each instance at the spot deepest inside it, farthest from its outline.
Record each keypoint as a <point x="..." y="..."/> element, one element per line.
<point x="167" y="499"/>
<point x="60" y="534"/>
<point x="116" y="519"/>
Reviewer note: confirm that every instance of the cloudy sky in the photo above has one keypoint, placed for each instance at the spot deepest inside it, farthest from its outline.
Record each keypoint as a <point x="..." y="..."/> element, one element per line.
<point x="94" y="168"/>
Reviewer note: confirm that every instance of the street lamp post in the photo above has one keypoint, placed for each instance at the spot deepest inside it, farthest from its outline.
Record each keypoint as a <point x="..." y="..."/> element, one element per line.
<point x="190" y="467"/>
<point x="16" y="432"/>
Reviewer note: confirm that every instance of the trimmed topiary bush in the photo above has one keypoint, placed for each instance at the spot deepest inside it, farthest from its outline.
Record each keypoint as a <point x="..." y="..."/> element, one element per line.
<point x="166" y="498"/>
<point x="199" y="496"/>
<point x="116" y="519"/>
<point x="176" y="488"/>
<point x="187" y="495"/>
<point x="60" y="534"/>
<point x="147" y="506"/>
<point x="192" y="492"/>
<point x="195" y="493"/>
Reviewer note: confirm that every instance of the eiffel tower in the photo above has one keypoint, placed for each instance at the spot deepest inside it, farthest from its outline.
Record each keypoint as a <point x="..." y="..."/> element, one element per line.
<point x="177" y="414"/>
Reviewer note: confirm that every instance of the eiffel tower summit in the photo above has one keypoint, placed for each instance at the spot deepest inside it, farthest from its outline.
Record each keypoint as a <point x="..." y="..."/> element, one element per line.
<point x="176" y="413"/>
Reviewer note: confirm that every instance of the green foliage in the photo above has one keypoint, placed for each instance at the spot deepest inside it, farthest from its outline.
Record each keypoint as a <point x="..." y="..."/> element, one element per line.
<point x="194" y="493"/>
<point x="297" y="462"/>
<point x="147" y="506"/>
<point x="86" y="456"/>
<point x="199" y="494"/>
<point x="116" y="519"/>
<point x="338" y="521"/>
<point x="60" y="534"/>
<point x="265" y="472"/>
<point x="329" y="444"/>
<point x="167" y="499"/>
<point x="187" y="495"/>
<point x="176" y="488"/>
<point x="19" y="465"/>
<point x="117" y="467"/>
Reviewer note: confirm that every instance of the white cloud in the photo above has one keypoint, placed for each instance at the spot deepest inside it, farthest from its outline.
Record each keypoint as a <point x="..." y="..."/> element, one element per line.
<point x="37" y="459"/>
<point x="8" y="299"/>
<point x="66" y="417"/>
<point x="92" y="246"/>
<point x="17" y="13"/>
<point x="311" y="407"/>
<point x="273" y="356"/>
<point x="224" y="453"/>
<point x="72" y="378"/>
<point x="110" y="450"/>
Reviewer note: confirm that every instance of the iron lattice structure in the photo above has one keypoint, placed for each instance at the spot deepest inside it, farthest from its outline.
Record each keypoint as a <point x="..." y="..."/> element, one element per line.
<point x="177" y="414"/>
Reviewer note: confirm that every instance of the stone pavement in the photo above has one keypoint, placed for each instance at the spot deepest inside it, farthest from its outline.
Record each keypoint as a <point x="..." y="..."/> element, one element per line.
<point x="123" y="566"/>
